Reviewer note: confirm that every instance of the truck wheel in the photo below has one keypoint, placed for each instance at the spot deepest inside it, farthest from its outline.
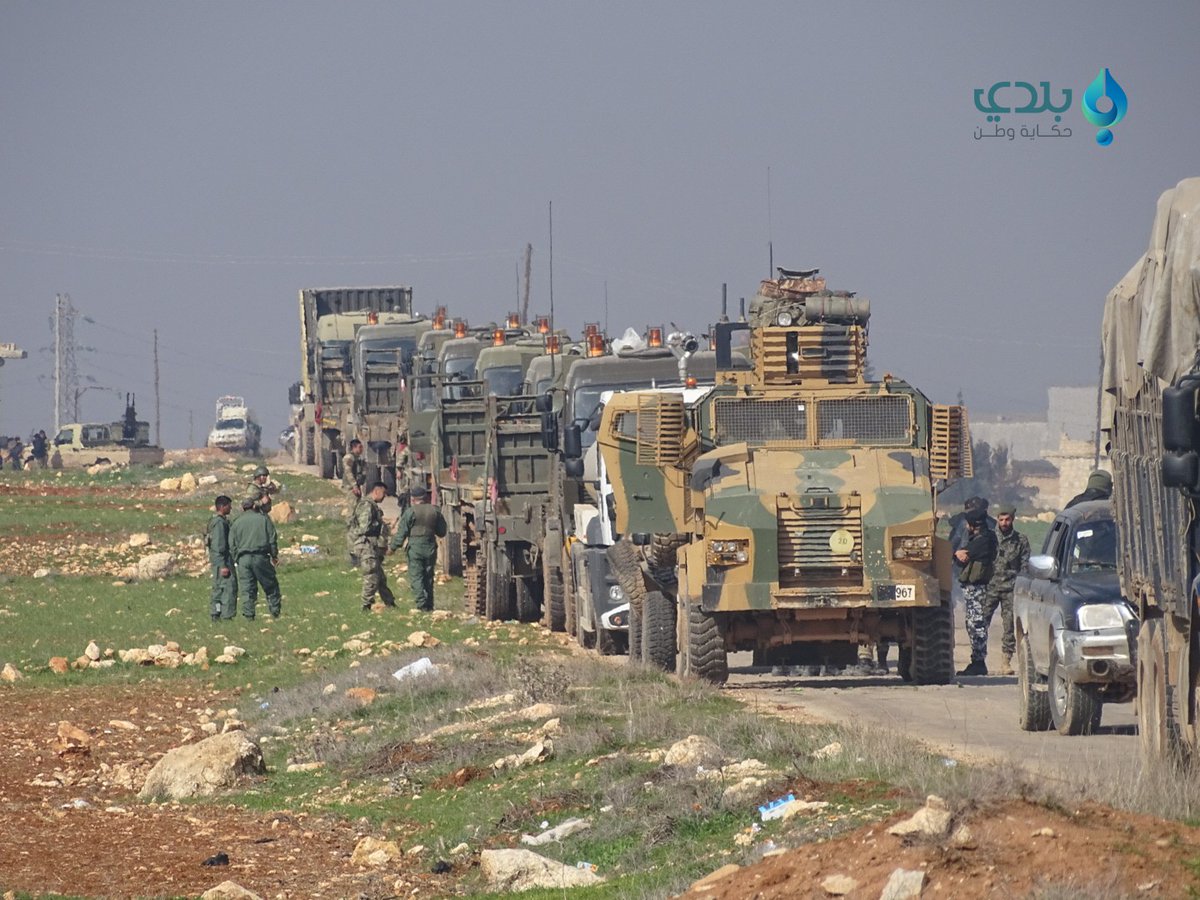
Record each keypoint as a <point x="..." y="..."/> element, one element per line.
<point x="528" y="608"/>
<point x="474" y="584"/>
<point x="904" y="663"/>
<point x="554" y="609"/>
<point x="1033" y="712"/>
<point x="658" y="631"/>
<point x="309" y="444"/>
<point x="570" y="600"/>
<point x="635" y="633"/>
<point x="1074" y="708"/>
<point x="1152" y="690"/>
<point x="933" y="644"/>
<point x="703" y="654"/>
<point x="498" y="604"/>
<point x="454" y="556"/>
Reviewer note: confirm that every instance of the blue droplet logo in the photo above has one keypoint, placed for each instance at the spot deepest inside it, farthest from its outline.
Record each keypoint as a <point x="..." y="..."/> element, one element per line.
<point x="1104" y="86"/>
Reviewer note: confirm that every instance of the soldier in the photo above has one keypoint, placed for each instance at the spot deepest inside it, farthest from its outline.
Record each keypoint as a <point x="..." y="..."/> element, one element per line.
<point x="224" y="582"/>
<point x="354" y="469"/>
<point x="1099" y="487"/>
<point x="403" y="468"/>
<point x="978" y="559"/>
<point x="262" y="485"/>
<point x="40" y="451"/>
<point x="421" y="526"/>
<point x="1012" y="553"/>
<point x="254" y="545"/>
<point x="366" y="532"/>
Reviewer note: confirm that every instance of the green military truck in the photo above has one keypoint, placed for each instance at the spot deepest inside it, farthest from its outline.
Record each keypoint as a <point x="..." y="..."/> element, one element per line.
<point x="1151" y="413"/>
<point x="322" y="398"/>
<point x="788" y="510"/>
<point x="383" y="362"/>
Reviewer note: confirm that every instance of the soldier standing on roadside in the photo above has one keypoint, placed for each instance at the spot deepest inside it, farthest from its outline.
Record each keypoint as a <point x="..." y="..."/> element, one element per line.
<point x="254" y="544"/>
<point x="354" y="469"/>
<point x="263" y="486"/>
<point x="421" y="526"/>
<point x="978" y="559"/>
<point x="1012" y="553"/>
<point x="40" y="452"/>
<point x="366" y="533"/>
<point x="224" y="582"/>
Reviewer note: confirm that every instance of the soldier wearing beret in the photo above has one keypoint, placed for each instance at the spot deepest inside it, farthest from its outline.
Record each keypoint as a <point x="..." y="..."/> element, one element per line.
<point x="1012" y="553"/>
<point x="978" y="559"/>
<point x="419" y="528"/>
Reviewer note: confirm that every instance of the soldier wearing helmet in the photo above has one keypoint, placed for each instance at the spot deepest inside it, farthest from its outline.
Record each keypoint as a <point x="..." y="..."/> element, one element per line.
<point x="262" y="485"/>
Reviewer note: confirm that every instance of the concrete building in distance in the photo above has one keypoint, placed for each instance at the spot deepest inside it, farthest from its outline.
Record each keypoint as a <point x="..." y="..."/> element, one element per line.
<point x="1054" y="455"/>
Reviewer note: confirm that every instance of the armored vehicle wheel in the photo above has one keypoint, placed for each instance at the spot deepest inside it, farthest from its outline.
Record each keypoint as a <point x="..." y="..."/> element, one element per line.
<point x="658" y="631"/>
<point x="635" y="633"/>
<point x="1074" y="708"/>
<point x="1033" y="711"/>
<point x="933" y="644"/>
<point x="528" y="607"/>
<point x="498" y="604"/>
<point x="554" y="609"/>
<point x="702" y="654"/>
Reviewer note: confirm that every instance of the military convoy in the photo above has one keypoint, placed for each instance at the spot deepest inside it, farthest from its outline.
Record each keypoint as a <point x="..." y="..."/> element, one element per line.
<point x="662" y="498"/>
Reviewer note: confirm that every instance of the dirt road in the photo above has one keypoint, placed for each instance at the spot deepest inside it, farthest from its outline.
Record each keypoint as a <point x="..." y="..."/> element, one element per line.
<point x="975" y="719"/>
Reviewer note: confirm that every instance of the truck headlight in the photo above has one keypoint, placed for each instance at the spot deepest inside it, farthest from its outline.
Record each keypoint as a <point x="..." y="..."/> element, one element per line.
<point x="728" y="553"/>
<point x="910" y="547"/>
<point x="615" y="594"/>
<point x="1099" y="615"/>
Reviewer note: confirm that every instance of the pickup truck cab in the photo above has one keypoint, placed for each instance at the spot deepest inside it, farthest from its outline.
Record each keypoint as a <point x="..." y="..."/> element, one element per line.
<point x="1075" y="631"/>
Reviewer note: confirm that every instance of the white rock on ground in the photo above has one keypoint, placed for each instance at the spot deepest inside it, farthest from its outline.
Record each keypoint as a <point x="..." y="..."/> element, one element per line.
<point x="229" y="890"/>
<point x="557" y="833"/>
<point x="141" y="539"/>
<point x="375" y="852"/>
<point x="93" y="651"/>
<point x="829" y="751"/>
<point x="203" y="769"/>
<point x="523" y="870"/>
<point x="156" y="565"/>
<point x="694" y="750"/>
<point x="931" y="820"/>
<point x="838" y="885"/>
<point x="539" y="752"/>
<point x="903" y="884"/>
<point x="187" y="482"/>
<point x="10" y="673"/>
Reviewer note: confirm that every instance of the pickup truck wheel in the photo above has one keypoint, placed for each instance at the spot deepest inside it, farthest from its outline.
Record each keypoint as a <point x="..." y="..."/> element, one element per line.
<point x="1074" y="708"/>
<point x="933" y="644"/>
<point x="658" y="631"/>
<point x="704" y="655"/>
<point x="1033" y="711"/>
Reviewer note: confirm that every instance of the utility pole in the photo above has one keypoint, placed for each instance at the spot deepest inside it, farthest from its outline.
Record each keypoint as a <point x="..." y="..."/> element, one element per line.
<point x="157" y="433"/>
<point x="528" y="277"/>
<point x="66" y="376"/>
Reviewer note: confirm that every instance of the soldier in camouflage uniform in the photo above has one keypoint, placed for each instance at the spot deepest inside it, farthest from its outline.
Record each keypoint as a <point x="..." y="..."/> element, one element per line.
<point x="403" y="468"/>
<point x="262" y="485"/>
<point x="978" y="559"/>
<point x="354" y="469"/>
<point x="254" y="544"/>
<point x="421" y="526"/>
<point x="224" y="581"/>
<point x="1012" y="553"/>
<point x="366" y="532"/>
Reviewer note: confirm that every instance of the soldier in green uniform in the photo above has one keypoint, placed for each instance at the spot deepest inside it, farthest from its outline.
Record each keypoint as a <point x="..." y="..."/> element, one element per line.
<point x="262" y="485"/>
<point x="1012" y="553"/>
<point x="224" y="582"/>
<point x="366" y="532"/>
<point x="354" y="469"/>
<point x="403" y="468"/>
<point x="254" y="545"/>
<point x="420" y="526"/>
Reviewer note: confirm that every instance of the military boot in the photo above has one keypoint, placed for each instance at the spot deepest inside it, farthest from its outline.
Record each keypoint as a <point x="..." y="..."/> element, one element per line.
<point x="1007" y="667"/>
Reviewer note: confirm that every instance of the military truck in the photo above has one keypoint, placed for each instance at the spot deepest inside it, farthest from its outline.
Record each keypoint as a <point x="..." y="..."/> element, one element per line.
<point x="383" y="361"/>
<point x="123" y="443"/>
<point x="1151" y="382"/>
<point x="321" y="400"/>
<point x="789" y="509"/>
<point x="235" y="429"/>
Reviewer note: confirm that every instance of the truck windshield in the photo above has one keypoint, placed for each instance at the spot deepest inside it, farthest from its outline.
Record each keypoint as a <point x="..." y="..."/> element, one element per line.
<point x="503" y="381"/>
<point x="63" y="437"/>
<point x="231" y="424"/>
<point x="384" y="351"/>
<point x="1095" y="547"/>
<point x="424" y="395"/>
<point x="461" y="366"/>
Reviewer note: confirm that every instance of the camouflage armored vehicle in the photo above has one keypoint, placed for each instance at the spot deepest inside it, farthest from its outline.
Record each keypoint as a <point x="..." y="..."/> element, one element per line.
<point x="790" y="508"/>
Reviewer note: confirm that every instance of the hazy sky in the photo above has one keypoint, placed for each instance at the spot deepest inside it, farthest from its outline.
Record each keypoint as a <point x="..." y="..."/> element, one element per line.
<point x="190" y="166"/>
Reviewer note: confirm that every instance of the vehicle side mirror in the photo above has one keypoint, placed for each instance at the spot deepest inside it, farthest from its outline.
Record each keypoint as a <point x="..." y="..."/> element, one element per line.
<point x="1043" y="566"/>
<point x="549" y="430"/>
<point x="573" y="467"/>
<point x="544" y="403"/>
<point x="572" y="441"/>
<point x="1180" y="425"/>
<point x="1181" y="470"/>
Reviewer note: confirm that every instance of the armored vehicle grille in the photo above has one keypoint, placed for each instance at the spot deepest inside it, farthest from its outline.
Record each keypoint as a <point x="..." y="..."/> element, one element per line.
<point x="759" y="421"/>
<point x="806" y="554"/>
<point x="659" y="429"/>
<point x="878" y="420"/>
